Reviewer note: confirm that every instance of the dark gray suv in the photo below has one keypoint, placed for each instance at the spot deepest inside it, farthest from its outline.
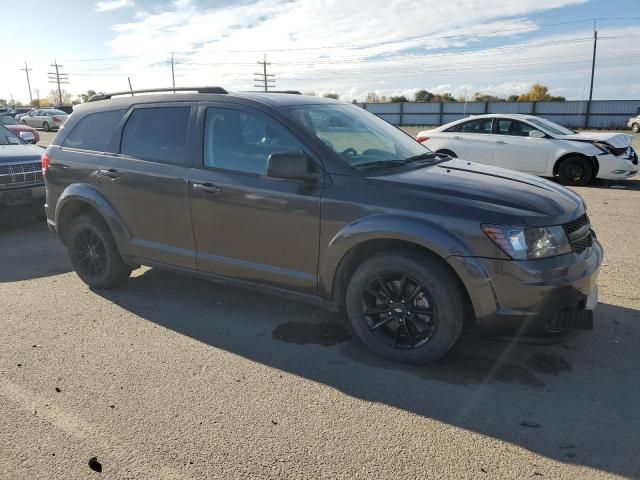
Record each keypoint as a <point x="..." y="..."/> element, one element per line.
<point x="320" y="200"/>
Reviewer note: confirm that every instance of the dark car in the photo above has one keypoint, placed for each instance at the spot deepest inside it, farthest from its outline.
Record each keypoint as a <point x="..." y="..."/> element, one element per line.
<point x="322" y="201"/>
<point x="21" y="183"/>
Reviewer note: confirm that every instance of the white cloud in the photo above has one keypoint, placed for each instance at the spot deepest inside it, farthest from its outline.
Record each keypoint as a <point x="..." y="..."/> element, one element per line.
<point x="108" y="5"/>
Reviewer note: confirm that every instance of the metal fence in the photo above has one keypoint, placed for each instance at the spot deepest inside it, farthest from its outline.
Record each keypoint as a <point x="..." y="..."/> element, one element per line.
<point x="600" y="114"/>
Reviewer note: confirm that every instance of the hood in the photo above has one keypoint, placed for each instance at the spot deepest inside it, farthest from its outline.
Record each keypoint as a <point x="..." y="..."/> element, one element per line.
<point x="521" y="198"/>
<point x="20" y="153"/>
<point x="616" y="140"/>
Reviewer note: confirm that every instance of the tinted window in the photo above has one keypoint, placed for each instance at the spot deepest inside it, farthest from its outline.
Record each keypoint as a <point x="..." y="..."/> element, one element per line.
<point x="157" y="134"/>
<point x="482" y="125"/>
<point x="94" y="131"/>
<point x="55" y="112"/>
<point x="242" y="141"/>
<point x="515" y="128"/>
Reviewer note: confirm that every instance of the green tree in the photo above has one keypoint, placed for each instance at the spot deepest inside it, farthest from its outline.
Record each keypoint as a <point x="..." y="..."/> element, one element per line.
<point x="335" y="96"/>
<point x="398" y="99"/>
<point x="423" y="96"/>
<point x="84" y="97"/>
<point x="3" y="102"/>
<point x="512" y="98"/>
<point x="444" y="97"/>
<point x="482" y="97"/>
<point x="34" y="103"/>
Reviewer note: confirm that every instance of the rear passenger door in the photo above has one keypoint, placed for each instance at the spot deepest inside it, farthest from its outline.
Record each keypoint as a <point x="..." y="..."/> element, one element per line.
<point x="146" y="182"/>
<point x="473" y="140"/>
<point x="249" y="226"/>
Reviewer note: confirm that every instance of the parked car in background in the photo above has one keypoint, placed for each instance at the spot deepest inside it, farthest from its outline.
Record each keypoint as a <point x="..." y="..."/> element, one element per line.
<point x="20" y="115"/>
<point x="47" y="119"/>
<point x="7" y="111"/>
<point x="323" y="201"/>
<point x="634" y="124"/>
<point x="21" y="183"/>
<point x="536" y="145"/>
<point x="17" y="127"/>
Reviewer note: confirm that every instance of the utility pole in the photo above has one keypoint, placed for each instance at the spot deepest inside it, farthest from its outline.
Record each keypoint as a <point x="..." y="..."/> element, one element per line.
<point x="58" y="78"/>
<point x="263" y="79"/>
<point x="27" y="70"/>
<point x="173" y="77"/>
<point x="38" y="95"/>
<point x="593" y="60"/>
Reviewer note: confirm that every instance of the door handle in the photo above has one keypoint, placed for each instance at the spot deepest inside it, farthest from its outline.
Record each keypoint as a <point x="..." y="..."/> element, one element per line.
<point x="109" y="172"/>
<point x="209" y="188"/>
<point x="501" y="142"/>
<point x="456" y="137"/>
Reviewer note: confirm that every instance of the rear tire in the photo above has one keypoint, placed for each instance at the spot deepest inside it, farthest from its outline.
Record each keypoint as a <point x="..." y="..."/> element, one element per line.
<point x="576" y="171"/>
<point x="418" y="330"/>
<point x="635" y="128"/>
<point x="93" y="252"/>
<point x="46" y="127"/>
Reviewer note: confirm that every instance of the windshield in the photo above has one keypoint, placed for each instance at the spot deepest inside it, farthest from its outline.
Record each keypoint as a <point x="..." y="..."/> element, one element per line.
<point x="551" y="127"/>
<point x="357" y="136"/>
<point x="7" y="137"/>
<point x="7" y="120"/>
<point x="56" y="112"/>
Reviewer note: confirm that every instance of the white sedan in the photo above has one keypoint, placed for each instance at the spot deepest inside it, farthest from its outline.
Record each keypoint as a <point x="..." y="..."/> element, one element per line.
<point x="535" y="145"/>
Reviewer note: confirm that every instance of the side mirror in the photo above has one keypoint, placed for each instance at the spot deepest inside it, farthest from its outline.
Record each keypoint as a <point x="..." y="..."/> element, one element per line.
<point x="536" y="134"/>
<point x="290" y="165"/>
<point x="28" y="137"/>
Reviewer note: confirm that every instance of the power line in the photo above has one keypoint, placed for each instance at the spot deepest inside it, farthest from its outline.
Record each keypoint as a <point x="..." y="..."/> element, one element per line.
<point x="266" y="79"/>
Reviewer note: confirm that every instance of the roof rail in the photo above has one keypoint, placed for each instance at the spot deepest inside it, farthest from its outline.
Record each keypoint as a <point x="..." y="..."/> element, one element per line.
<point x="291" y="92"/>
<point x="107" y="96"/>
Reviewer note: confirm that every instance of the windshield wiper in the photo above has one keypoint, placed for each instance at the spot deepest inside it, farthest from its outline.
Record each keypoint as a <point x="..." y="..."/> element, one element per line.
<point x="422" y="157"/>
<point x="379" y="163"/>
<point x="429" y="157"/>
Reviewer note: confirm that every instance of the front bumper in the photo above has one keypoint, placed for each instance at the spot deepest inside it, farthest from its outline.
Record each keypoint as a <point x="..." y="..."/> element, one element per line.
<point x="22" y="196"/>
<point x="536" y="297"/>
<point x="612" y="167"/>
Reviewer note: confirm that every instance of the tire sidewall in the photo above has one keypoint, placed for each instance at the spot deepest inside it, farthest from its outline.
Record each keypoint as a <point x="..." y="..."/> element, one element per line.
<point x="588" y="171"/>
<point x="635" y="128"/>
<point x="46" y="126"/>
<point x="444" y="293"/>
<point x="83" y="223"/>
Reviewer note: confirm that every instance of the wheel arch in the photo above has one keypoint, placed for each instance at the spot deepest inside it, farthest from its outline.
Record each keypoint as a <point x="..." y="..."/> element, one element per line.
<point x="78" y="199"/>
<point x="591" y="159"/>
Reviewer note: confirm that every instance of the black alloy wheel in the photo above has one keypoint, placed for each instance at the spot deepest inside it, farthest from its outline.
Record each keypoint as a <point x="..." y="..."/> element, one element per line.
<point x="399" y="310"/>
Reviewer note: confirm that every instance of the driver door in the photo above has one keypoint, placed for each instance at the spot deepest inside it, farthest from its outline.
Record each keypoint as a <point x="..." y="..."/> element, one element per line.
<point x="246" y="225"/>
<point x="516" y="150"/>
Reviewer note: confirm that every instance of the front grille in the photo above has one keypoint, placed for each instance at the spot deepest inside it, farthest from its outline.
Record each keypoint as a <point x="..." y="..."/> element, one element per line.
<point x="20" y="173"/>
<point x="576" y="224"/>
<point x="579" y="233"/>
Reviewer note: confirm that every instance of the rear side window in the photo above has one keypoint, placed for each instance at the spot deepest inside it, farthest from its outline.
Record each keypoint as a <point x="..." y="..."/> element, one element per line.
<point x="157" y="134"/>
<point x="94" y="131"/>
<point x="482" y="125"/>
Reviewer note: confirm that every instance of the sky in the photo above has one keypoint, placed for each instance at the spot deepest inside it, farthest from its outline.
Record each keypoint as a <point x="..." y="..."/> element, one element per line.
<point x="350" y="47"/>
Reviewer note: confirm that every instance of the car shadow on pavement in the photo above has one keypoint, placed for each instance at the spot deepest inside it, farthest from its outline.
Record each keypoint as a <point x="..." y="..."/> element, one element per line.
<point x="41" y="254"/>
<point x="574" y="402"/>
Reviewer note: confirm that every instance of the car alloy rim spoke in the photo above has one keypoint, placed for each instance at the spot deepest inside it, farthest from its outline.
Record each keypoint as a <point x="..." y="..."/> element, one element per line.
<point x="399" y="310"/>
<point x="91" y="253"/>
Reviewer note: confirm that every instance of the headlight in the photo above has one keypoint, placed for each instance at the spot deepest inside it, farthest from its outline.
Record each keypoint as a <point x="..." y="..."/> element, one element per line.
<point x="605" y="147"/>
<point x="529" y="243"/>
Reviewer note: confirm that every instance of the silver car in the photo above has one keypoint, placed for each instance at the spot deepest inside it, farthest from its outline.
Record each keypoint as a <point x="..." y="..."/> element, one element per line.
<point x="634" y="124"/>
<point x="47" y="119"/>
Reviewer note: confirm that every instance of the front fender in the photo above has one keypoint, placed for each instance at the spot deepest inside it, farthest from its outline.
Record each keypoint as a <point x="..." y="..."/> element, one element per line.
<point x="88" y="194"/>
<point x="426" y="234"/>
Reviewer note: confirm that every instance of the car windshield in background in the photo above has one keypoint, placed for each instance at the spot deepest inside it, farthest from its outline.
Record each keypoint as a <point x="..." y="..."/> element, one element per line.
<point x="7" y="120"/>
<point x="551" y="127"/>
<point x="360" y="138"/>
<point x="7" y="137"/>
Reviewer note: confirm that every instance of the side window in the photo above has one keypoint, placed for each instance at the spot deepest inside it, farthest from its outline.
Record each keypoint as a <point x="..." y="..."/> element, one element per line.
<point x="515" y="128"/>
<point x="482" y="125"/>
<point x="241" y="141"/>
<point x="94" y="131"/>
<point x="158" y="134"/>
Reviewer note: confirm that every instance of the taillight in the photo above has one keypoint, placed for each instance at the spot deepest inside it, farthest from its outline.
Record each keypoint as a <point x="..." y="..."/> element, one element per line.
<point x="45" y="163"/>
<point x="56" y="120"/>
<point x="422" y="138"/>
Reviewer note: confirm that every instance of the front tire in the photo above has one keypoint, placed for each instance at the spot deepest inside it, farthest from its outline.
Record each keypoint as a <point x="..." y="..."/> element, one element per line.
<point x="46" y="127"/>
<point x="635" y="128"/>
<point x="94" y="254"/>
<point x="576" y="171"/>
<point x="405" y="306"/>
